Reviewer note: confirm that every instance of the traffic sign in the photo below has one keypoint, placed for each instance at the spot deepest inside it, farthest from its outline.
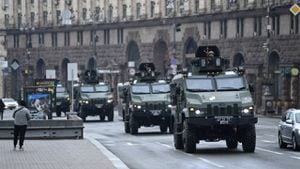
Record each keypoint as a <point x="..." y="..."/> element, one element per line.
<point x="131" y="71"/>
<point x="15" y="65"/>
<point x="295" y="9"/>
<point x="3" y="64"/>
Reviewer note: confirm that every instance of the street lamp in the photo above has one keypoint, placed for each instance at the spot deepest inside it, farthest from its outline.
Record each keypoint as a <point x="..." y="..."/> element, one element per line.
<point x="27" y="72"/>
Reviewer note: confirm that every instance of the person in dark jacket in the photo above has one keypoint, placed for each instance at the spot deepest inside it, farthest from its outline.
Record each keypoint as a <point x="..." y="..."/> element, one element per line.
<point x="21" y="116"/>
<point x="2" y="106"/>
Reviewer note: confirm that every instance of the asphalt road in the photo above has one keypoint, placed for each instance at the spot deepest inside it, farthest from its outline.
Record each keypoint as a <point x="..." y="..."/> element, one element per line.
<point x="152" y="150"/>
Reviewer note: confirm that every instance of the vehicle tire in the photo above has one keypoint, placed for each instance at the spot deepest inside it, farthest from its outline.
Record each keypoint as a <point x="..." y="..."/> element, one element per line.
<point x="126" y="127"/>
<point x="189" y="139"/>
<point x="178" y="143"/>
<point x="296" y="147"/>
<point x="133" y="125"/>
<point x="111" y="115"/>
<point x="231" y="143"/>
<point x="102" y="117"/>
<point x="281" y="143"/>
<point x="58" y="111"/>
<point x="249" y="140"/>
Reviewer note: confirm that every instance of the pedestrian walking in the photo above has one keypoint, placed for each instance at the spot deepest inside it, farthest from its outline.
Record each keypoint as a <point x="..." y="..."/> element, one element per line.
<point x="21" y="116"/>
<point x="2" y="105"/>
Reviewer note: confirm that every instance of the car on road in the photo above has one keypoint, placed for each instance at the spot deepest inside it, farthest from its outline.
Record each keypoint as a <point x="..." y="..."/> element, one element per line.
<point x="10" y="103"/>
<point x="289" y="129"/>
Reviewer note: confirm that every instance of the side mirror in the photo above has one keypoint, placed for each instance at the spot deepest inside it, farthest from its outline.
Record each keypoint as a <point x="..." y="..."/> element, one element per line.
<point x="289" y="121"/>
<point x="251" y="88"/>
<point x="283" y="118"/>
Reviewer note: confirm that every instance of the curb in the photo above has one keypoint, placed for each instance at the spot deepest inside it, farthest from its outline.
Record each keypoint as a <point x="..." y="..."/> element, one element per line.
<point x="118" y="163"/>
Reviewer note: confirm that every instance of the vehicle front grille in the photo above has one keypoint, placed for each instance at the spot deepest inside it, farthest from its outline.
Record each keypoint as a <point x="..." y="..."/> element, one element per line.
<point x="228" y="110"/>
<point x="98" y="101"/>
<point x="155" y="106"/>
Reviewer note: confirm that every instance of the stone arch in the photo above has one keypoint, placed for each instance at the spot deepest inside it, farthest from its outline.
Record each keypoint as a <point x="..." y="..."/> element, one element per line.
<point x="161" y="57"/>
<point x="92" y="63"/>
<point x="133" y="53"/>
<point x="40" y="69"/>
<point x="190" y="47"/>
<point x="64" y="71"/>
<point x="274" y="63"/>
<point x="238" y="60"/>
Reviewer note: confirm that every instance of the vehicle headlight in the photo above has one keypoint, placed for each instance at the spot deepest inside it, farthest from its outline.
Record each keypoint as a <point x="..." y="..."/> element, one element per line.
<point x="109" y="100"/>
<point x="246" y="100"/>
<point x="137" y="106"/>
<point x="248" y="110"/>
<point x="198" y="112"/>
<point x="191" y="109"/>
<point x="68" y="98"/>
<point x="86" y="102"/>
<point x="299" y="131"/>
<point x="169" y="106"/>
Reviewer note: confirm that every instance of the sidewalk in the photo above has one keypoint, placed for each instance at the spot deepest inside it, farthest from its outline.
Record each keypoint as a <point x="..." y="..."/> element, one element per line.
<point x="53" y="154"/>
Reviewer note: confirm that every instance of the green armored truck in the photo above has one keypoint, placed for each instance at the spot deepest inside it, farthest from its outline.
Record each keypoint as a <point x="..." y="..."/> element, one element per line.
<point x="94" y="98"/>
<point x="147" y="101"/>
<point x="212" y="104"/>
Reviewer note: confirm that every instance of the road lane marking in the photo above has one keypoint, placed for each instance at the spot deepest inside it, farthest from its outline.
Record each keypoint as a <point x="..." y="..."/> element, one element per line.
<point x="130" y="144"/>
<point x="295" y="157"/>
<point x="210" y="162"/>
<point x="268" y="141"/>
<point x="269" y="151"/>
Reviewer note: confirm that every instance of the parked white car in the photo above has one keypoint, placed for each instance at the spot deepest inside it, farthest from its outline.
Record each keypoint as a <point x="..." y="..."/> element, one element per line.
<point x="10" y="103"/>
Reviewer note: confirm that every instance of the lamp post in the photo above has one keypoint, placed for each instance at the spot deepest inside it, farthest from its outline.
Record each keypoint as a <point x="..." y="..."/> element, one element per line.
<point x="27" y="72"/>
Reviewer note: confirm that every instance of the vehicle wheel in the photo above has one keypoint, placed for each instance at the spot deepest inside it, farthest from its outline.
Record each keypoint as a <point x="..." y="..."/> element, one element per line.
<point x="133" y="125"/>
<point x="189" y="139"/>
<point x="178" y="143"/>
<point x="111" y="115"/>
<point x="163" y="128"/>
<point x="102" y="117"/>
<point x="58" y="112"/>
<point x="231" y="143"/>
<point x="126" y="126"/>
<point x="249" y="140"/>
<point x="296" y="147"/>
<point x="280" y="141"/>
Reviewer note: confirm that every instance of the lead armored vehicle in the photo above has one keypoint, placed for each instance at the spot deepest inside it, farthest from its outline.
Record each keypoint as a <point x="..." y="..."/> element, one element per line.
<point x="212" y="104"/>
<point x="94" y="98"/>
<point x="147" y="101"/>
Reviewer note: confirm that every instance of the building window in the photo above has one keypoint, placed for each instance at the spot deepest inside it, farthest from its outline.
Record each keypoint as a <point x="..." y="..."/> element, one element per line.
<point x="196" y="6"/>
<point x="16" y="41"/>
<point x="245" y="3"/>
<point x="106" y="36"/>
<point x="97" y="13"/>
<point x="54" y="39"/>
<point x="67" y="38"/>
<point x="45" y="17"/>
<point x="231" y="3"/>
<point x="257" y="26"/>
<point x="19" y="20"/>
<point x="138" y="10"/>
<point x="84" y="11"/>
<point x="213" y="5"/>
<point x="223" y="29"/>
<point x="41" y="38"/>
<point x="124" y="11"/>
<point x="32" y="1"/>
<point x="19" y="2"/>
<point x="276" y="24"/>
<point x="28" y="41"/>
<point x="58" y="13"/>
<point x="169" y="6"/>
<point x="6" y="20"/>
<point x="32" y="18"/>
<point x="240" y="27"/>
<point x="110" y="13"/>
<point x="152" y="9"/>
<point x="120" y="36"/>
<point x="207" y="29"/>
<point x="79" y="38"/>
<point x="294" y="24"/>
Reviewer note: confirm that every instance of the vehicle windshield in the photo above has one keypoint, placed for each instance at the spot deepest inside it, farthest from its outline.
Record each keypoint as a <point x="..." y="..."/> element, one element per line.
<point x="232" y="83"/>
<point x="60" y="90"/>
<point x="140" y="89"/>
<point x="297" y="117"/>
<point x="87" y="89"/>
<point x="8" y="100"/>
<point x="160" y="88"/>
<point x="101" y="88"/>
<point x="199" y="84"/>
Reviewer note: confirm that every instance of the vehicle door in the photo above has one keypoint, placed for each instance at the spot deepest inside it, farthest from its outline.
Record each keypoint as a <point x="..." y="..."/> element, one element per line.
<point x="283" y="126"/>
<point x="289" y="127"/>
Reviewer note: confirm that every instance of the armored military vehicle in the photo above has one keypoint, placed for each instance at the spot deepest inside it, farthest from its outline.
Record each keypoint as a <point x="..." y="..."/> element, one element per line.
<point x="147" y="101"/>
<point x="62" y="100"/>
<point x="212" y="104"/>
<point x="94" y="98"/>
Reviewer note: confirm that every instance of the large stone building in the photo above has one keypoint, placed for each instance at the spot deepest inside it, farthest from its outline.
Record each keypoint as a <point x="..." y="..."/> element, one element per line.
<point x="48" y="34"/>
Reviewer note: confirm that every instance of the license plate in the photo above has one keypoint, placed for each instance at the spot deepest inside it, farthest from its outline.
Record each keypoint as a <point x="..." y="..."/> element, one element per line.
<point x="98" y="105"/>
<point x="155" y="112"/>
<point x="223" y="119"/>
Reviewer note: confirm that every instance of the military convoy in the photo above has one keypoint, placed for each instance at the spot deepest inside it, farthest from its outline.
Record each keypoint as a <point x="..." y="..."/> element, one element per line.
<point x="147" y="101"/>
<point x="212" y="104"/>
<point x="93" y="98"/>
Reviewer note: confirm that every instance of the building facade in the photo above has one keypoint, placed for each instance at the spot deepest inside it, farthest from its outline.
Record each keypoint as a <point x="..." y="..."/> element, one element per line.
<point x="261" y="35"/>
